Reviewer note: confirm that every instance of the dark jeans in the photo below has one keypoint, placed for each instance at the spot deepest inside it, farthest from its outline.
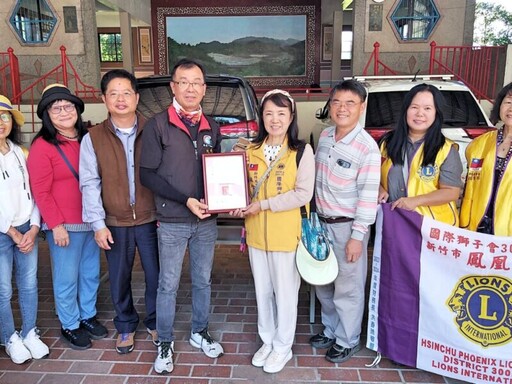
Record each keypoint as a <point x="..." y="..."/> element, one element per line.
<point x="120" y="264"/>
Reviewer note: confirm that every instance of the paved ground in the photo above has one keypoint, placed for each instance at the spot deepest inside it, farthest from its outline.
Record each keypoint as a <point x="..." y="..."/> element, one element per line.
<point x="232" y="321"/>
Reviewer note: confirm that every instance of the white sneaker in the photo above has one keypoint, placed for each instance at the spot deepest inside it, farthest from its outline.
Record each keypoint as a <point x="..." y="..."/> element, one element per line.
<point x="163" y="362"/>
<point x="36" y="347"/>
<point x="203" y="340"/>
<point x="276" y="361"/>
<point x="16" y="350"/>
<point x="258" y="360"/>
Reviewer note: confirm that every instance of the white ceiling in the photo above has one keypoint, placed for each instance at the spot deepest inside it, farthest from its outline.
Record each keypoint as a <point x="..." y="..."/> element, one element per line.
<point x="105" y="19"/>
<point x="107" y="15"/>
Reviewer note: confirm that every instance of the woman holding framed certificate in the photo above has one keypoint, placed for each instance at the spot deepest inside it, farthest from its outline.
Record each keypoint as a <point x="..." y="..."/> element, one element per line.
<point x="279" y="184"/>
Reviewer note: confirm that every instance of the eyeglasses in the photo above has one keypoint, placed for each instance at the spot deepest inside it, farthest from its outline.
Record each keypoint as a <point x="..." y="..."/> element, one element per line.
<point x="183" y="84"/>
<point x="347" y="104"/>
<point x="56" y="109"/>
<point x="5" y="117"/>
<point x="116" y="95"/>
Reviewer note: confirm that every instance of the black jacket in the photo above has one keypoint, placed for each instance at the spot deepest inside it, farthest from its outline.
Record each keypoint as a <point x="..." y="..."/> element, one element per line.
<point x="171" y="162"/>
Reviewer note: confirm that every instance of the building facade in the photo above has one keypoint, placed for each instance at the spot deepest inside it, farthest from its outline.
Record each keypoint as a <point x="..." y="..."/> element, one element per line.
<point x="338" y="35"/>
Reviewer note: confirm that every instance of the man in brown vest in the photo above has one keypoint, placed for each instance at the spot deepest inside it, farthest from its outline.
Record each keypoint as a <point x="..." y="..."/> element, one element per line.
<point x="121" y="210"/>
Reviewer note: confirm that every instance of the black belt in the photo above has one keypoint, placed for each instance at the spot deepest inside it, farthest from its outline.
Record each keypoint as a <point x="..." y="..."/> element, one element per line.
<point x="334" y="220"/>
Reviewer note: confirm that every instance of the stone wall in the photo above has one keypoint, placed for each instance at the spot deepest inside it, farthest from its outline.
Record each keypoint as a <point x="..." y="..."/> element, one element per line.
<point x="455" y="28"/>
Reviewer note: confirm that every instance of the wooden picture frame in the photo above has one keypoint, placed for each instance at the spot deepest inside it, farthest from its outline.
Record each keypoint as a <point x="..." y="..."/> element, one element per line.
<point x="145" y="47"/>
<point x="327" y="42"/>
<point x="225" y="181"/>
<point x="257" y="57"/>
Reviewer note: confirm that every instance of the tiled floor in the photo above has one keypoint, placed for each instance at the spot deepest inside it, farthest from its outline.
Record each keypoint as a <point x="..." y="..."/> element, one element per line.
<point x="232" y="321"/>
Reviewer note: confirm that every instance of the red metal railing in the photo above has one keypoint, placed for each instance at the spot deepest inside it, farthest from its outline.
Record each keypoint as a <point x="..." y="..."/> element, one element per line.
<point x="480" y="68"/>
<point x="65" y="73"/>
<point x="9" y="75"/>
<point x="379" y="68"/>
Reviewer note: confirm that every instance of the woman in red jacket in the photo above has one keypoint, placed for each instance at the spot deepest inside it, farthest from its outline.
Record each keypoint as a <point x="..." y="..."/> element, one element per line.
<point x="53" y="168"/>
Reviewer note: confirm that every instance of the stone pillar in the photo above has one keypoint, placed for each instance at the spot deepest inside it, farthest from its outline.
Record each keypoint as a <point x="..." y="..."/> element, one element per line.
<point x="336" y="47"/>
<point x="126" y="40"/>
<point x="89" y="63"/>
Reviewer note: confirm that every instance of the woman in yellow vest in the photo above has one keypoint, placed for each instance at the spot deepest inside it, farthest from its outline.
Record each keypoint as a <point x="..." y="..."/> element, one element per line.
<point x="421" y="169"/>
<point x="486" y="205"/>
<point x="279" y="186"/>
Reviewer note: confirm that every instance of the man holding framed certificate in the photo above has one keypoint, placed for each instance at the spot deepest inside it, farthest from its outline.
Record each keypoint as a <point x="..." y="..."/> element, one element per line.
<point x="225" y="190"/>
<point x="173" y="143"/>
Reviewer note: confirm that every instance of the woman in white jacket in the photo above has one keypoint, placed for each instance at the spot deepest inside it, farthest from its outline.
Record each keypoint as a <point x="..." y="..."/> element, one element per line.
<point x="19" y="226"/>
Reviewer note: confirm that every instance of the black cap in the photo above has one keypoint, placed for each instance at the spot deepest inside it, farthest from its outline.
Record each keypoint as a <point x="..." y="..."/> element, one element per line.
<point x="55" y="92"/>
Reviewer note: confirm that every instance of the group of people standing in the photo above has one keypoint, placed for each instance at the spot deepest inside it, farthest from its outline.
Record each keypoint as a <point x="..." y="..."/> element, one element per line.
<point x="129" y="184"/>
<point x="124" y="185"/>
<point x="283" y="174"/>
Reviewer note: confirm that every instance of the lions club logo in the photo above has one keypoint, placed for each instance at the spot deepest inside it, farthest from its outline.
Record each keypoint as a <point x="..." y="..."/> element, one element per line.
<point x="428" y="173"/>
<point x="207" y="140"/>
<point x="483" y="305"/>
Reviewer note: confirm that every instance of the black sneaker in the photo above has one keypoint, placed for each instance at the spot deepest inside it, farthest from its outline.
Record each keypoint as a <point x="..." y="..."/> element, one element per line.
<point x="93" y="327"/>
<point x="321" y="341"/>
<point x="339" y="354"/>
<point x="77" y="338"/>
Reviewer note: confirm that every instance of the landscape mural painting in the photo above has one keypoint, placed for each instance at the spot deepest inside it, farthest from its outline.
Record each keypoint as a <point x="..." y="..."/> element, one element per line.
<point x="272" y="46"/>
<point x="249" y="46"/>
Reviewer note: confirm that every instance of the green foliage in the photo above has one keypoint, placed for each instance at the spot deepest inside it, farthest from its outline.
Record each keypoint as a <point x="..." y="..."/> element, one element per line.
<point x="110" y="47"/>
<point x="248" y="56"/>
<point x="493" y="24"/>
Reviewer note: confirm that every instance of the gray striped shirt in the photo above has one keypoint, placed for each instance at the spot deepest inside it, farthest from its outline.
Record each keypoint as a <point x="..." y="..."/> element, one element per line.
<point x="348" y="177"/>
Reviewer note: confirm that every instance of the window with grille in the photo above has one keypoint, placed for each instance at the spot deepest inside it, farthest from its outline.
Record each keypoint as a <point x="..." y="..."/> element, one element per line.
<point x="110" y="47"/>
<point x="415" y="19"/>
<point x="346" y="44"/>
<point x="33" y="21"/>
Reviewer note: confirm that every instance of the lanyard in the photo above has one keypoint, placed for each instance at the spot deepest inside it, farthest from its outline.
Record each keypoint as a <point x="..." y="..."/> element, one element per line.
<point x="267" y="172"/>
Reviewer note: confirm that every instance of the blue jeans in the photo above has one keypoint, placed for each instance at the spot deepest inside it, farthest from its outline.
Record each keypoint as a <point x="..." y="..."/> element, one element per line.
<point x="120" y="264"/>
<point x="25" y="266"/>
<point x="76" y="277"/>
<point x="173" y="239"/>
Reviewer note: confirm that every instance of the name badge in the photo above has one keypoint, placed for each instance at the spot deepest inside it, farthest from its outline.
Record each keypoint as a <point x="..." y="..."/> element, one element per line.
<point x="343" y="163"/>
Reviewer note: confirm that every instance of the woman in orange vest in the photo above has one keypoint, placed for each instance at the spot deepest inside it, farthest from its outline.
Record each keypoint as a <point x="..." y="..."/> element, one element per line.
<point x="486" y="205"/>
<point x="421" y="169"/>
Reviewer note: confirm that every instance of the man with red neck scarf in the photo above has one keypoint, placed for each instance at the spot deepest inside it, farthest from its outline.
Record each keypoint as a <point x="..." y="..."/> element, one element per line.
<point x="171" y="166"/>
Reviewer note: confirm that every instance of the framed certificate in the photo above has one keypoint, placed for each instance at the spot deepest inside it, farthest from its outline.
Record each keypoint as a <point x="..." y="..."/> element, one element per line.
<point x="225" y="181"/>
